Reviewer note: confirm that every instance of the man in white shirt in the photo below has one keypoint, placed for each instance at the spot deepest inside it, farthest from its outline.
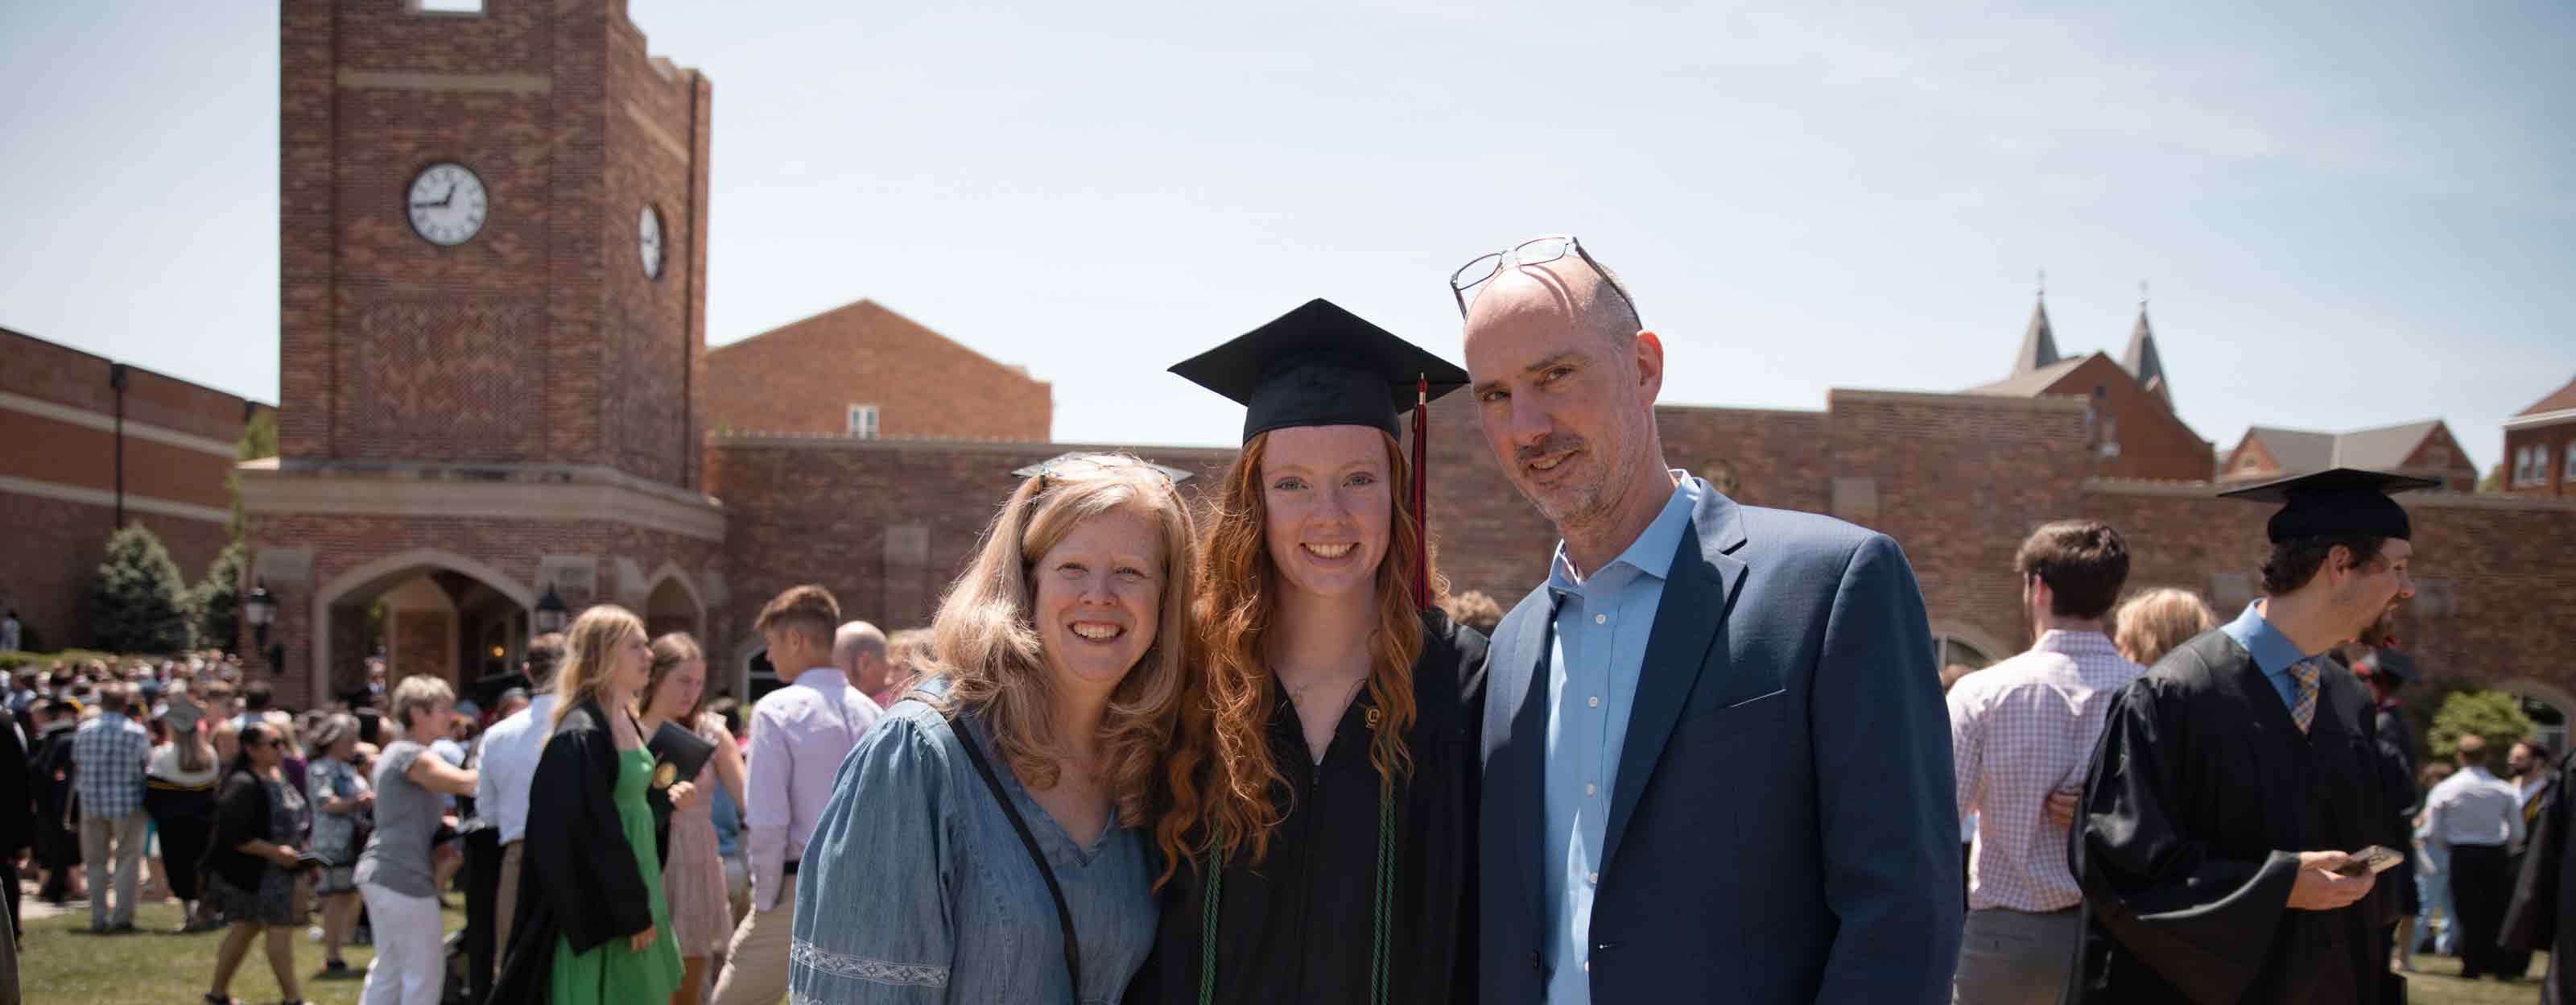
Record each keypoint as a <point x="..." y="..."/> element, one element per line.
<point x="507" y="766"/>
<point x="2477" y="816"/>
<point x="800" y="734"/>
<point x="2019" y="731"/>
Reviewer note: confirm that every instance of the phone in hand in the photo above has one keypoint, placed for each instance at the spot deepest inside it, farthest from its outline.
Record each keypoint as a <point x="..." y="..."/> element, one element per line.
<point x="2373" y="860"/>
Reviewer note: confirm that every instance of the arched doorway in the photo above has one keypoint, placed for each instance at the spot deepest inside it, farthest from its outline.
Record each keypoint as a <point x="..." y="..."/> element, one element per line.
<point x="2549" y="708"/>
<point x="1959" y="645"/>
<point x="424" y="611"/>
<point x="673" y="606"/>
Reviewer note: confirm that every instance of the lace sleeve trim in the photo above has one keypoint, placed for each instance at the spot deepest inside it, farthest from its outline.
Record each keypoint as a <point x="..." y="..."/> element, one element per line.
<point x="808" y="956"/>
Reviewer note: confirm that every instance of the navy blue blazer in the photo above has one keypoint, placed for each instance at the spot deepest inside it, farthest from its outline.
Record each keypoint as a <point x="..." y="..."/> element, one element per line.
<point x="1782" y="827"/>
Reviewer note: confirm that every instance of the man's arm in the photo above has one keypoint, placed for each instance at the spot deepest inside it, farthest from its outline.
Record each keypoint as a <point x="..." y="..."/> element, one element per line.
<point x="1885" y="791"/>
<point x="768" y="813"/>
<point x="1967" y="746"/>
<point x="2437" y="807"/>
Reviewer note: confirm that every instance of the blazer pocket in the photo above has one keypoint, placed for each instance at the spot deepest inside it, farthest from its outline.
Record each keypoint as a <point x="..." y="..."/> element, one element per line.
<point x="1732" y="709"/>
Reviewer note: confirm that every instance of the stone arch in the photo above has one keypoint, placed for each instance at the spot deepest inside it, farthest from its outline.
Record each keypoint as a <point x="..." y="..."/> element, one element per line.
<point x="674" y="597"/>
<point x="1993" y="649"/>
<point x="2553" y="696"/>
<point x="383" y="573"/>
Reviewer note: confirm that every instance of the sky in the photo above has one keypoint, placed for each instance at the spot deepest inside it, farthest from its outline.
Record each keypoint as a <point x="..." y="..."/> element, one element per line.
<point x="2348" y="215"/>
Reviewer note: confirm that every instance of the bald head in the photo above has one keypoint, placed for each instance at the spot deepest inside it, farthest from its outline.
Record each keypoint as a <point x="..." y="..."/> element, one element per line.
<point x="1568" y="293"/>
<point x="859" y="649"/>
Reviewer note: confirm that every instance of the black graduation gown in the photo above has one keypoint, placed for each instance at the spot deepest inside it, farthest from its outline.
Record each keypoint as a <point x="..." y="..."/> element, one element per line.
<point x="579" y="881"/>
<point x="49" y="779"/>
<point x="1296" y="926"/>
<point x="2544" y="894"/>
<point x="2197" y="803"/>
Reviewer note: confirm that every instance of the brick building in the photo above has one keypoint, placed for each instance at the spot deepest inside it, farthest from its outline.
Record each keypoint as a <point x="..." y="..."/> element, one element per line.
<point x="489" y="400"/>
<point x="2131" y="429"/>
<point x="493" y="332"/>
<point x="2425" y="449"/>
<point x="90" y="445"/>
<point x="2540" y="448"/>
<point x="864" y="371"/>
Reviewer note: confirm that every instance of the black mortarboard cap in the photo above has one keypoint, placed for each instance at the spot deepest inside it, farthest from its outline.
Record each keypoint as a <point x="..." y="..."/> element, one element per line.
<point x="1320" y="365"/>
<point x="2336" y="502"/>
<point x="2390" y="663"/>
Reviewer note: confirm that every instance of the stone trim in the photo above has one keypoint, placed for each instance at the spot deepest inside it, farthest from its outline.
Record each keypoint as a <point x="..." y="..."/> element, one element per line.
<point x="834" y="441"/>
<point x="267" y="491"/>
<point x="102" y="497"/>
<point x="106" y="423"/>
<point x="2412" y="500"/>
<point x="653" y="131"/>
<point x="2034" y="403"/>
<point x="2550" y="418"/>
<point x="502" y="83"/>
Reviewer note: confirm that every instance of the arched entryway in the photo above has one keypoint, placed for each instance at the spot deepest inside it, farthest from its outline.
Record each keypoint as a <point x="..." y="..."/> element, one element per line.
<point x="2548" y="706"/>
<point x="673" y="606"/>
<point x="428" y="612"/>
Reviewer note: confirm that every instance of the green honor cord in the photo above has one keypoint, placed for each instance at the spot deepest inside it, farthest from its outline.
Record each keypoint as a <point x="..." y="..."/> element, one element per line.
<point x="1378" y="925"/>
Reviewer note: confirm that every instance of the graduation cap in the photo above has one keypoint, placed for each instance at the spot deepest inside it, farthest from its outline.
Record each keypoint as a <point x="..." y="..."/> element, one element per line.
<point x="2389" y="663"/>
<point x="1320" y="365"/>
<point x="2335" y="502"/>
<point x="1061" y="461"/>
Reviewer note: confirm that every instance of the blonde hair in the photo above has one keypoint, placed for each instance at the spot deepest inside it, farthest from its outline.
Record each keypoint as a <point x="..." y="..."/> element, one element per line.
<point x="419" y="692"/>
<point x="590" y="647"/>
<point x="2151" y="624"/>
<point x="986" y="643"/>
<point x="669" y="651"/>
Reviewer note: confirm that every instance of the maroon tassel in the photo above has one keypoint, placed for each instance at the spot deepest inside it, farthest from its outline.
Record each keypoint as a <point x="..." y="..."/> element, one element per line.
<point x="1421" y="501"/>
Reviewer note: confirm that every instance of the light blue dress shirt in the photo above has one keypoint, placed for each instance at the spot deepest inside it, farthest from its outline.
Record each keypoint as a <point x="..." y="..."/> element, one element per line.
<point x="1602" y="624"/>
<point x="2273" y="652"/>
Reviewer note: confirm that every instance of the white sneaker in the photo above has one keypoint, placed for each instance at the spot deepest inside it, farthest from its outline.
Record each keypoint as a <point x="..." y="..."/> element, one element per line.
<point x="313" y="934"/>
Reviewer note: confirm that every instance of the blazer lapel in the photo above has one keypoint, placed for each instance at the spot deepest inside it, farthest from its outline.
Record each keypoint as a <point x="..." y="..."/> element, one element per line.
<point x="1516" y="687"/>
<point x="1697" y="589"/>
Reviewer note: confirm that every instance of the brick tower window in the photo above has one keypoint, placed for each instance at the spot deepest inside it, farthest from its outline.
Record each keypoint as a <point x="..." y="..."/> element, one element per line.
<point x="863" y="421"/>
<point x="474" y="7"/>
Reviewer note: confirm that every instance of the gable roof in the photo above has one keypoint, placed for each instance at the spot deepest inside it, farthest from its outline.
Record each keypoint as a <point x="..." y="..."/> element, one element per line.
<point x="2384" y="448"/>
<point x="2559" y="400"/>
<point x="2026" y="383"/>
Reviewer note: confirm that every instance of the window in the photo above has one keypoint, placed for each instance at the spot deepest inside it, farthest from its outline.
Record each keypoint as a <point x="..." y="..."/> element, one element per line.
<point x="1950" y="650"/>
<point x="2522" y="466"/>
<point x="2110" y="436"/>
<point x="2570" y="475"/>
<point x="2437" y="457"/>
<point x="2249" y="462"/>
<point x="863" y="421"/>
<point x="447" y="6"/>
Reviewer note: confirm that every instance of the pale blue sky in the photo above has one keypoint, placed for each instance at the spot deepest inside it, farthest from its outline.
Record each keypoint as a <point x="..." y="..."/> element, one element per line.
<point x="2350" y="215"/>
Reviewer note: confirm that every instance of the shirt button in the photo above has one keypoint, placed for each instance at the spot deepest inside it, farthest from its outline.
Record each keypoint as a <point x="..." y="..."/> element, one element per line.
<point x="1587" y="966"/>
<point x="1588" y="788"/>
<point x="1592" y="878"/>
<point x="1599" y="619"/>
<point x="1595" y="701"/>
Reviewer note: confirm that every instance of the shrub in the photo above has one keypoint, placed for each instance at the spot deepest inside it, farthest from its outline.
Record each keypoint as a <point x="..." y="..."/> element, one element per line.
<point x="2495" y="715"/>
<point x="138" y="603"/>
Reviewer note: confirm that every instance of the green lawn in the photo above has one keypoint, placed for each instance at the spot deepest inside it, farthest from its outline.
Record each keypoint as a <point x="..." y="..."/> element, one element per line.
<point x="64" y="963"/>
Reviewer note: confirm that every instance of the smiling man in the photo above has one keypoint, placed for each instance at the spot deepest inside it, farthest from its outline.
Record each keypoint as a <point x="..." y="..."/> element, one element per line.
<point x="1681" y="639"/>
<point x="2236" y="778"/>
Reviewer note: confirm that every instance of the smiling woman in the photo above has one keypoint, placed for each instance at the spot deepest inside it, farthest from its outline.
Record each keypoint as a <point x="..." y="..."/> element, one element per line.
<point x="984" y="841"/>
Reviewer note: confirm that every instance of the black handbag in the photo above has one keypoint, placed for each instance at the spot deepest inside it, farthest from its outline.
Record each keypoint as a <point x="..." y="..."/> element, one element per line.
<point x="1063" y="913"/>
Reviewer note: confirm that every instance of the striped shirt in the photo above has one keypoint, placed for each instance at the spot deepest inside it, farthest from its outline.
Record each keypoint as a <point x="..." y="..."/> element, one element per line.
<point x="2019" y="730"/>
<point x="109" y="754"/>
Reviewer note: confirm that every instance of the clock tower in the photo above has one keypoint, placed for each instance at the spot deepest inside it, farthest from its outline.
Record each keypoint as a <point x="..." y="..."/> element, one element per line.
<point x="493" y="249"/>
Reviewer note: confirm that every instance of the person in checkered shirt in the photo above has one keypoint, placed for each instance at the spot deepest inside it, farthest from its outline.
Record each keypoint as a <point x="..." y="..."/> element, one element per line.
<point x="108" y="756"/>
<point x="2020" y="733"/>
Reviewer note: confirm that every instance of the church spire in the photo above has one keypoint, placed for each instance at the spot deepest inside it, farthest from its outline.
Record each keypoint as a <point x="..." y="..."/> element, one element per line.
<point x="2038" y="343"/>
<point x="2141" y="359"/>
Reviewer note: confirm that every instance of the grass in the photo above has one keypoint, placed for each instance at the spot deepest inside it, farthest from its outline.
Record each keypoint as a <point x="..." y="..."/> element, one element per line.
<point x="64" y="963"/>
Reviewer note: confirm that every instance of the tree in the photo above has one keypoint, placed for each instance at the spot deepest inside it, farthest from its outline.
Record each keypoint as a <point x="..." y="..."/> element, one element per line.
<point x="216" y="603"/>
<point x="138" y="603"/>
<point x="2494" y="481"/>
<point x="2494" y="715"/>
<point x="258" y="439"/>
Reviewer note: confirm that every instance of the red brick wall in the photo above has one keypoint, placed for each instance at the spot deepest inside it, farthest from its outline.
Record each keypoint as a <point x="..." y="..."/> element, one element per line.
<point x="2441" y="453"/>
<point x="802" y="378"/>
<point x="2154" y="442"/>
<point x="54" y="545"/>
<point x="537" y="340"/>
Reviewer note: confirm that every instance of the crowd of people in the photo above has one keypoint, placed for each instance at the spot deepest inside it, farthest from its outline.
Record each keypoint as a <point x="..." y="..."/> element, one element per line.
<point x="1253" y="750"/>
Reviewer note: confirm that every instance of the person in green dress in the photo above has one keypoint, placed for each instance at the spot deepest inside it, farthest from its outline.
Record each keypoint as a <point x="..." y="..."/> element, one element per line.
<point x="592" y="927"/>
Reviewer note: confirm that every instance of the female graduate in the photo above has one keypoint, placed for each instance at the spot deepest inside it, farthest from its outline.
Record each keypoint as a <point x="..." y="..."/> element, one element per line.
<point x="1316" y="823"/>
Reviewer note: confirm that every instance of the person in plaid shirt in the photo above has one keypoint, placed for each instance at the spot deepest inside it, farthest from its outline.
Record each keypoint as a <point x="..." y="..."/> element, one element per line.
<point x="2021" y="731"/>
<point x="108" y="756"/>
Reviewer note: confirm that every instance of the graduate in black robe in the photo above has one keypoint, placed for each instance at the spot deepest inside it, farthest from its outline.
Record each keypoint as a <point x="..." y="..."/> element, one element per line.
<point x="2205" y="791"/>
<point x="2544" y="894"/>
<point x="580" y="882"/>
<point x="1353" y="857"/>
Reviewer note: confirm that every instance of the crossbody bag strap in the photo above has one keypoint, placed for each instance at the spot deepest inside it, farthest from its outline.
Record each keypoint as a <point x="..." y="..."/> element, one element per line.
<point x="1063" y="912"/>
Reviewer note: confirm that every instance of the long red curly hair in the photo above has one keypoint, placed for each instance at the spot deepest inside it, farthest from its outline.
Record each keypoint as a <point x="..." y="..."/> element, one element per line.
<point x="1220" y="774"/>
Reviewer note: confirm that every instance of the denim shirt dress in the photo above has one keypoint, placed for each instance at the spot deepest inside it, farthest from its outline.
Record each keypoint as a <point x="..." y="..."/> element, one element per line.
<point x="915" y="889"/>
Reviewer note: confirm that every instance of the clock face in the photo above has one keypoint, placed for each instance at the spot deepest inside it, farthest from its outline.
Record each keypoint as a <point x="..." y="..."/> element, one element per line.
<point x="648" y="241"/>
<point x="447" y="203"/>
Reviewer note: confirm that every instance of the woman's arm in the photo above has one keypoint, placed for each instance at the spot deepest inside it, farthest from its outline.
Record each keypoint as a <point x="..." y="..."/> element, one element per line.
<point x="432" y="772"/>
<point x="874" y="921"/>
<point x="729" y="770"/>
